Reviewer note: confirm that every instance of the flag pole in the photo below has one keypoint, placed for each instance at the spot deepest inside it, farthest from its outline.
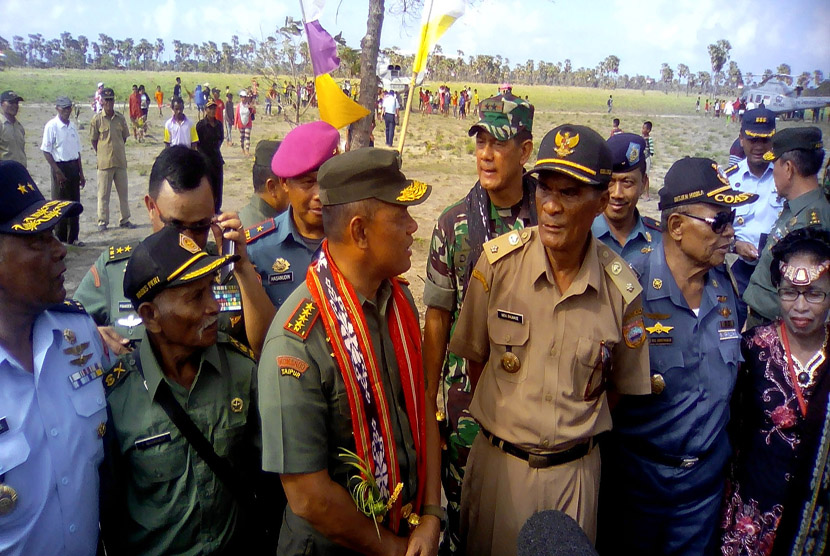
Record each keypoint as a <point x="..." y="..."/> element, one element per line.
<point x="405" y="124"/>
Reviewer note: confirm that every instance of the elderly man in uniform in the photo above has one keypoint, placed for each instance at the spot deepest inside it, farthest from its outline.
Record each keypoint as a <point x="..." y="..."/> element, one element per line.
<point x="663" y="484"/>
<point x="621" y="227"/>
<point x="52" y="409"/>
<point x="12" y="134"/>
<point x="341" y="372"/>
<point x="180" y="195"/>
<point x="167" y="496"/>
<point x="108" y="132"/>
<point x="796" y="154"/>
<point x="540" y="396"/>
<point x="502" y="200"/>
<point x="61" y="146"/>
<point x="269" y="199"/>
<point x="282" y="247"/>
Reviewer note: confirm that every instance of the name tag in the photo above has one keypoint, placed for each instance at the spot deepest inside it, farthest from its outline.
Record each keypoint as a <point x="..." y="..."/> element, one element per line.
<point x="284" y="277"/>
<point x="125" y="306"/>
<point x="85" y="376"/>
<point x="730" y="334"/>
<point x="507" y="315"/>
<point x="228" y="296"/>
<point x="149" y="442"/>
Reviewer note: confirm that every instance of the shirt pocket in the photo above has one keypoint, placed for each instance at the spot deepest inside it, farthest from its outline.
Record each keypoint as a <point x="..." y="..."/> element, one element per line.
<point x="90" y="404"/>
<point x="153" y="468"/>
<point x="509" y="336"/>
<point x="592" y="368"/>
<point x="159" y="498"/>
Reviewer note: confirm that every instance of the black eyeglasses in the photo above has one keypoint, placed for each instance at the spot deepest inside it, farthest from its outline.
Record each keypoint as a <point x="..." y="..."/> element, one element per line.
<point x="199" y="228"/>
<point x="718" y="223"/>
<point x="811" y="296"/>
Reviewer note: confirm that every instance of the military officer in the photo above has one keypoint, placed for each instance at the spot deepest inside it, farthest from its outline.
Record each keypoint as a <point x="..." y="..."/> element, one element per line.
<point x="269" y="199"/>
<point x="541" y="398"/>
<point x="667" y="453"/>
<point x="621" y="227"/>
<point x="166" y="499"/>
<point x="797" y="154"/>
<point x="342" y="371"/>
<point x="52" y="407"/>
<point x="179" y="195"/>
<point x="281" y="247"/>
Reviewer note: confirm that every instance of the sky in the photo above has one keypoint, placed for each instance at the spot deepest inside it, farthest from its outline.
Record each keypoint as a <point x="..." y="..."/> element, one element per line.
<point x="642" y="33"/>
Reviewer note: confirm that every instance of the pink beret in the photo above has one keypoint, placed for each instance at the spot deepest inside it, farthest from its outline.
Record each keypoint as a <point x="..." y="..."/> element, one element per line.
<point x="304" y="149"/>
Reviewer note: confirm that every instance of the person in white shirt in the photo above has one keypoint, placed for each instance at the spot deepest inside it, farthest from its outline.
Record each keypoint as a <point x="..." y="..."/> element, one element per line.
<point x="391" y="108"/>
<point x="179" y="129"/>
<point x="61" y="146"/>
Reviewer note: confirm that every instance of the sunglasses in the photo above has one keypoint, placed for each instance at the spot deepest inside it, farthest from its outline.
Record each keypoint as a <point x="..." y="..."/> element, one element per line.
<point x="199" y="228"/>
<point x="718" y="223"/>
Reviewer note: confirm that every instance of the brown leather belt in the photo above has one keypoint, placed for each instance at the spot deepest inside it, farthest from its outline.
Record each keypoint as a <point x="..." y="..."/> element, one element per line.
<point x="540" y="461"/>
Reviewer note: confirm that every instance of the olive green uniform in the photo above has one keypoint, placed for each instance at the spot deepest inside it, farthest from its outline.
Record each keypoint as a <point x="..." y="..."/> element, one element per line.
<point x="165" y="498"/>
<point x="256" y="211"/>
<point x="305" y="409"/>
<point x="101" y="292"/>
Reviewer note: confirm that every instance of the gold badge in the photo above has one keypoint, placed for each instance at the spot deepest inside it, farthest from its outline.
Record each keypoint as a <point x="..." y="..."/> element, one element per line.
<point x="648" y="237"/>
<point x="81" y="361"/>
<point x="739" y="221"/>
<point x="725" y="312"/>
<point x="510" y="362"/>
<point x="494" y="248"/>
<point x="8" y="499"/>
<point x="646" y="250"/>
<point x="281" y="265"/>
<point x="714" y="283"/>
<point x="659" y="328"/>
<point x="102" y="429"/>
<point x="76" y="350"/>
<point x="188" y="244"/>
<point x="565" y="143"/>
<point x="629" y="287"/>
<point x="658" y="383"/>
<point x="814" y="220"/>
<point x="69" y="336"/>
<point x="616" y="268"/>
<point x="721" y="175"/>
<point x="236" y="405"/>
<point x="657" y="283"/>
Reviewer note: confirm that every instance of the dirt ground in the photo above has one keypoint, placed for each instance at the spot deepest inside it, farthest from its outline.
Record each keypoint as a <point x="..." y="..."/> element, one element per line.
<point x="438" y="151"/>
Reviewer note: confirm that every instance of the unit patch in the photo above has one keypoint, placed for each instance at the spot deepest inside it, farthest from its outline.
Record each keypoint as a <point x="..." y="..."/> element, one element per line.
<point x="291" y="366"/>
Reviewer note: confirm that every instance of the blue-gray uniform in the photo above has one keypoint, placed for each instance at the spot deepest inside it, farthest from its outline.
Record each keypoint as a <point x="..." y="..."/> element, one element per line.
<point x="280" y="254"/>
<point x="51" y="424"/>
<point x="669" y="449"/>
<point x="643" y="238"/>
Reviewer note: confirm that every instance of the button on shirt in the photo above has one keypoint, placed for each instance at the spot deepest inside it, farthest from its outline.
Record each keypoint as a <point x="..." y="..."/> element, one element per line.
<point x="640" y="240"/>
<point x="52" y="449"/>
<point x="180" y="133"/>
<point x="12" y="140"/>
<point x="61" y="140"/>
<point x="754" y="219"/>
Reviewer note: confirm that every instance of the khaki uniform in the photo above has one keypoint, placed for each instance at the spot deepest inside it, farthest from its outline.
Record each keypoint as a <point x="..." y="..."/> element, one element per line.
<point x="111" y="133"/>
<point x="12" y="140"/>
<point x="568" y="346"/>
<point x="167" y="499"/>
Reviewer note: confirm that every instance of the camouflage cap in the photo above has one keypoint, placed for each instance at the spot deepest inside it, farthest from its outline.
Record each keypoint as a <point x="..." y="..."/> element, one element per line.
<point x="503" y="116"/>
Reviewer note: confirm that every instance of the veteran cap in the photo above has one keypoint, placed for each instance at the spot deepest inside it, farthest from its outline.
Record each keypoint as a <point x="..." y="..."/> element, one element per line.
<point x="503" y="116"/>
<point x="108" y="94"/>
<point x="23" y="209"/>
<point x="576" y="151"/>
<point x="627" y="152"/>
<point x="368" y="173"/>
<point x="758" y="122"/>
<point x="791" y="138"/>
<point x="304" y="149"/>
<point x="264" y="152"/>
<point x="63" y="102"/>
<point x="699" y="180"/>
<point x="164" y="260"/>
<point x="10" y="96"/>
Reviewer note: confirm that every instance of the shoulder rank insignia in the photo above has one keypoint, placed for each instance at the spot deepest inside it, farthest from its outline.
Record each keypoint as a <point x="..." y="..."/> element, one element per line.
<point x="119" y="252"/>
<point x="814" y="219"/>
<point x="620" y="273"/>
<point x="240" y="347"/>
<point x="258" y="230"/>
<point x="651" y="223"/>
<point x="730" y="170"/>
<point x="69" y="306"/>
<point x="302" y="319"/>
<point x="402" y="280"/>
<point x="115" y="375"/>
<point x="497" y="248"/>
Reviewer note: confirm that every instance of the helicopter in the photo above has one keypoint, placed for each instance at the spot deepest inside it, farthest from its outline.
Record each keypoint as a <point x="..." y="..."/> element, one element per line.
<point x="779" y="97"/>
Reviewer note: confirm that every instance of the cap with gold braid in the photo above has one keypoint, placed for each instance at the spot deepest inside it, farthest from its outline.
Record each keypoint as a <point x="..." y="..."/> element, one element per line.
<point x="164" y="260"/>
<point x="23" y="209"/>
<point x="699" y="180"/>
<point x="576" y="151"/>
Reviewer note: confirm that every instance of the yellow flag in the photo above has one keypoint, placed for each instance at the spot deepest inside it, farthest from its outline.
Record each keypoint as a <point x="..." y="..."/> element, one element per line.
<point x="437" y="17"/>
<point x="336" y="108"/>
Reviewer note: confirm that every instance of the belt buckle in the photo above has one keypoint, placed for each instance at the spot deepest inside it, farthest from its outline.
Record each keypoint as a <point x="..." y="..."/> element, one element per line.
<point x="688" y="463"/>
<point x="537" y="461"/>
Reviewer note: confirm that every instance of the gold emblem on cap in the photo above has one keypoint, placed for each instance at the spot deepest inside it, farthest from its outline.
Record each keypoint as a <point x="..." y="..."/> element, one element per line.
<point x="658" y="384"/>
<point x="412" y="192"/>
<point x="188" y="244"/>
<point x="69" y="336"/>
<point x="657" y="283"/>
<point x="236" y="405"/>
<point x="565" y="143"/>
<point x="8" y="499"/>
<point x="510" y="362"/>
<point x="281" y="265"/>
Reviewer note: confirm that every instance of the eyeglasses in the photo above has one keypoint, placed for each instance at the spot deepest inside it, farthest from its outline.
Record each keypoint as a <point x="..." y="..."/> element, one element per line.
<point x="199" y="228"/>
<point x="718" y="223"/>
<point x="811" y="296"/>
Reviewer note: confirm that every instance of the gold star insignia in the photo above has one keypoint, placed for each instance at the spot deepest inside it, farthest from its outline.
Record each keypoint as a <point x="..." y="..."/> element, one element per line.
<point x="657" y="283"/>
<point x="127" y="249"/>
<point x="659" y="328"/>
<point x="259" y="228"/>
<point x="119" y="250"/>
<point x="22" y="189"/>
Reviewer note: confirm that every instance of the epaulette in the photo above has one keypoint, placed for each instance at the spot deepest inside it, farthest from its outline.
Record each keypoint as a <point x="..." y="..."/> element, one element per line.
<point x="115" y="375"/>
<point x="119" y="252"/>
<point x="302" y="319"/>
<point x="402" y="280"/>
<point x="620" y="273"/>
<point x="238" y="346"/>
<point x="651" y="223"/>
<point x="729" y="170"/>
<point x="68" y="306"/>
<point x="258" y="230"/>
<point x="497" y="248"/>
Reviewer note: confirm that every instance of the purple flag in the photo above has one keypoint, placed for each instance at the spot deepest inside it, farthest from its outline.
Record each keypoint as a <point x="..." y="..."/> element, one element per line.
<point x="322" y="48"/>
